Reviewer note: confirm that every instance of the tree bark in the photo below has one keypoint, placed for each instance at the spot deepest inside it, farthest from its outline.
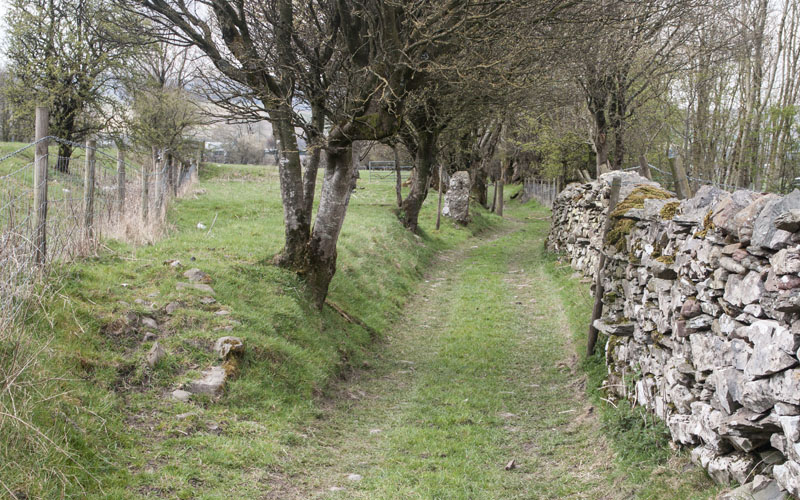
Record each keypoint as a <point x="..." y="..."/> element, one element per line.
<point x="500" y="186"/>
<point x="333" y="202"/>
<point x="297" y="217"/>
<point x="480" y="188"/>
<point x="420" y="180"/>
<point x="398" y="185"/>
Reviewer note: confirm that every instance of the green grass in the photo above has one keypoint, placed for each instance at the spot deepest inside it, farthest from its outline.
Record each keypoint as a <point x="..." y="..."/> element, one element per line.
<point x="482" y="369"/>
<point x="490" y="330"/>
<point x="639" y="440"/>
<point x="114" y="415"/>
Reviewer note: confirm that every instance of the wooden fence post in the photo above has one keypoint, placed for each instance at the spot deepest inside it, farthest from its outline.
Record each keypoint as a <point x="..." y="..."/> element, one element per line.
<point x="121" y="182"/>
<point x="599" y="290"/>
<point x="88" y="190"/>
<point x="644" y="168"/>
<point x="158" y="172"/>
<point x="681" y="179"/>
<point x="40" y="184"/>
<point x="145" y="187"/>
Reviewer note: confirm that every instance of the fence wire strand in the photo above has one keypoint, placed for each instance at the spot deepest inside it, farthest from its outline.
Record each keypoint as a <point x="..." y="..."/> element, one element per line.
<point x="78" y="216"/>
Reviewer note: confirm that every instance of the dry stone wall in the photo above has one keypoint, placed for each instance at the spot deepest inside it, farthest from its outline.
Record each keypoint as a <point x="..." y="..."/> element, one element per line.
<point x="702" y="317"/>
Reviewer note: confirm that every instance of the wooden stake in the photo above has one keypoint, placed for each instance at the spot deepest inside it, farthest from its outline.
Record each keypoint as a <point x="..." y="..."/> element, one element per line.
<point x="120" y="182"/>
<point x="40" y="184"/>
<point x="88" y="190"/>
<point x="599" y="290"/>
<point x="681" y="179"/>
<point x="644" y="168"/>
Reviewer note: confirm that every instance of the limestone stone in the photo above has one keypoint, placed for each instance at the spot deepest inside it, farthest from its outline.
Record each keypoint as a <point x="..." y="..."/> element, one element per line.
<point x="788" y="221"/>
<point x="786" y="261"/>
<point x="202" y="287"/>
<point x="211" y="384"/>
<point x="195" y="275"/>
<point x="615" y="329"/>
<point x="765" y="233"/>
<point x="788" y="477"/>
<point x="772" y="345"/>
<point x="149" y="322"/>
<point x="228" y="346"/>
<point x="456" y="200"/>
<point x="710" y="352"/>
<point x="181" y="395"/>
<point x="747" y="217"/>
<point x="172" y="307"/>
<point x="731" y="265"/>
<point x="791" y="427"/>
<point x="729" y="206"/>
<point x="785" y="386"/>
<point x="156" y="354"/>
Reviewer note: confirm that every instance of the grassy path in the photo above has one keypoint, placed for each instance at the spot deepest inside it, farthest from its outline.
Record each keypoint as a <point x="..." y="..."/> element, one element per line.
<point x="481" y="371"/>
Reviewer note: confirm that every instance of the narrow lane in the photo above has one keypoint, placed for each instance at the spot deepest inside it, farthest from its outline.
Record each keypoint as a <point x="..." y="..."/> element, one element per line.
<point x="476" y="394"/>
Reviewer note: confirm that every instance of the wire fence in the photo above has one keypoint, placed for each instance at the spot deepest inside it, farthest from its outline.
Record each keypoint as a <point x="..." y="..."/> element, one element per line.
<point x="56" y="207"/>
<point x="543" y="191"/>
<point x="667" y="179"/>
<point x="383" y="172"/>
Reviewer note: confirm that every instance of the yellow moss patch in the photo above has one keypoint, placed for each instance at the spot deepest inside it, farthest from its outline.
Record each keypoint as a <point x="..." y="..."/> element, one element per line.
<point x="666" y="259"/>
<point x="231" y="367"/>
<point x="668" y="211"/>
<point x="620" y="226"/>
<point x="637" y="197"/>
<point x="708" y="225"/>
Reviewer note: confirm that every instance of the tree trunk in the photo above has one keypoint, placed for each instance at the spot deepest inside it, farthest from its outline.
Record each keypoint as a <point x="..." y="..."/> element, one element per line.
<point x="297" y="219"/>
<point x="64" y="154"/>
<point x="494" y="196"/>
<point x="500" y="186"/>
<point x="315" y="143"/>
<point x="420" y="180"/>
<point x="439" y="207"/>
<point x="398" y="185"/>
<point x="333" y="201"/>
<point x="480" y="189"/>
<point x="601" y="143"/>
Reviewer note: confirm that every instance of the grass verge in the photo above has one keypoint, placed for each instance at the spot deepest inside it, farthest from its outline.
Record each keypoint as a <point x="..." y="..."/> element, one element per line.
<point x="121" y="434"/>
<point x="640" y="441"/>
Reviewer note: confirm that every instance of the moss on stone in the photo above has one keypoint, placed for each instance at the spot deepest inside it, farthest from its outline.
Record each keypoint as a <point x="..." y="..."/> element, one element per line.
<point x="708" y="225"/>
<point x="620" y="226"/>
<point x="666" y="259"/>
<point x="668" y="210"/>
<point x="619" y="230"/>
<point x="637" y="197"/>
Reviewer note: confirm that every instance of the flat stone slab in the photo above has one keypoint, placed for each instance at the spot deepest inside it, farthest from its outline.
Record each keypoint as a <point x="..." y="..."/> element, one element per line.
<point x="202" y="287"/>
<point x="211" y="384"/>
<point x="197" y="276"/>
<point x="181" y="395"/>
<point x="226" y="346"/>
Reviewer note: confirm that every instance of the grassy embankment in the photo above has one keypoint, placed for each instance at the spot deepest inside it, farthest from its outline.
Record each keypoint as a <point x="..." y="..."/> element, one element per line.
<point x="113" y="415"/>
